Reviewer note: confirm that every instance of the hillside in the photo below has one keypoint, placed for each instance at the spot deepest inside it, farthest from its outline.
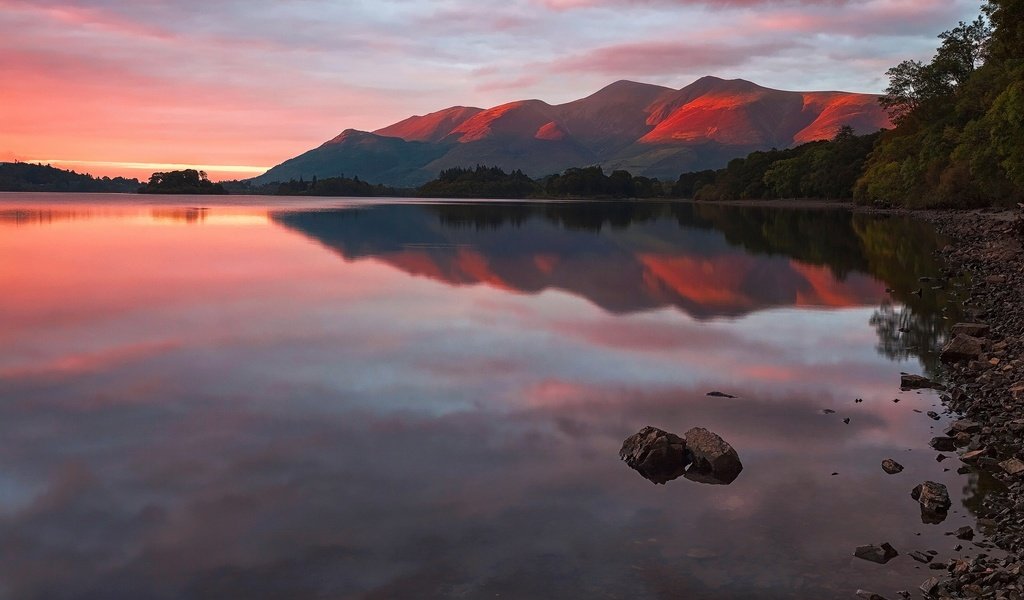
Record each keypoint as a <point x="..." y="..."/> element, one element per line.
<point x="649" y="130"/>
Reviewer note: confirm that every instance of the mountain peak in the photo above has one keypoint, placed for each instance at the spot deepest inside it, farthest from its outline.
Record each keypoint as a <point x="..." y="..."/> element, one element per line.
<point x="710" y="83"/>
<point x="432" y="127"/>
<point x="345" y="135"/>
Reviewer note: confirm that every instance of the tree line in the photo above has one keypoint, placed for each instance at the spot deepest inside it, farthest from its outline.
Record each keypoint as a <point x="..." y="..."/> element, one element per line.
<point x="30" y="177"/>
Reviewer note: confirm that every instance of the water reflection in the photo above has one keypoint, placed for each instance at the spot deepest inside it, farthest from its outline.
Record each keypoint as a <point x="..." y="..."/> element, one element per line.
<point x="707" y="260"/>
<point x="622" y="257"/>
<point x="227" y="409"/>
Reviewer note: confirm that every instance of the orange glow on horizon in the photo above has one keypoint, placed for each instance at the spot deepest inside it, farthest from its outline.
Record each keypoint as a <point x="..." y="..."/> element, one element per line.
<point x="142" y="171"/>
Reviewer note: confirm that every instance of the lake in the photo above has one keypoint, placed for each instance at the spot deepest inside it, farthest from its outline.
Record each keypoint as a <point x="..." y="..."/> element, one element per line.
<point x="252" y="397"/>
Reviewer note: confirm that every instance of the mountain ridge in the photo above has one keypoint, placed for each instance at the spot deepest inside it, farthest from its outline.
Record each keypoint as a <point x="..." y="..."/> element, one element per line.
<point x="647" y="129"/>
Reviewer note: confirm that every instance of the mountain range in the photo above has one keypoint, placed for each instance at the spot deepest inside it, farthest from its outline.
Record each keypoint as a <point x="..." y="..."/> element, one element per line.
<point x="646" y="129"/>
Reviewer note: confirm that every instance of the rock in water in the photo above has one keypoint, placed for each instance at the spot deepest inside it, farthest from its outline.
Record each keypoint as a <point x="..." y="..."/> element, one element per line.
<point x="720" y="395"/>
<point x="962" y="348"/>
<point x="917" y="382"/>
<point x="891" y="467"/>
<point x="869" y="595"/>
<point x="878" y="554"/>
<point x="657" y="455"/>
<point x="943" y="443"/>
<point x="714" y="460"/>
<point x="934" y="500"/>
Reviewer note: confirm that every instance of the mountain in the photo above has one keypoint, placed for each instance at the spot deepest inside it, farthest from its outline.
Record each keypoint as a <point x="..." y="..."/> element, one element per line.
<point x="646" y="129"/>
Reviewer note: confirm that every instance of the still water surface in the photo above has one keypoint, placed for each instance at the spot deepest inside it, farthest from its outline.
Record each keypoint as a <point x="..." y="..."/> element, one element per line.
<point x="403" y="400"/>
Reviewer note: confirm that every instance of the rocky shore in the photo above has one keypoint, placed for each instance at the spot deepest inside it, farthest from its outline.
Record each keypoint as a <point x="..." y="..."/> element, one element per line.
<point x="988" y="389"/>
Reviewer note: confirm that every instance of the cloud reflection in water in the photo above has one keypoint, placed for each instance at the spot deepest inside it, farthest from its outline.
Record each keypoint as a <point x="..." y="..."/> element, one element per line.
<point x="228" y="410"/>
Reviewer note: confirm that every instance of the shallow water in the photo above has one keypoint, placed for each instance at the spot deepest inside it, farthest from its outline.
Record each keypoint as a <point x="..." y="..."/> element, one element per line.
<point x="345" y="399"/>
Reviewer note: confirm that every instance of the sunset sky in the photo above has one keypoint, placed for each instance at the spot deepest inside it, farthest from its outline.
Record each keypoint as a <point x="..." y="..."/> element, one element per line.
<point x="118" y="87"/>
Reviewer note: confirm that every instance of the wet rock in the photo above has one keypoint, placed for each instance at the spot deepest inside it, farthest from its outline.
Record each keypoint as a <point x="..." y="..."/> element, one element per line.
<point x="891" y="467"/>
<point x="713" y="459"/>
<point x="973" y="455"/>
<point x="943" y="443"/>
<point x="964" y="426"/>
<point x="877" y="554"/>
<point x="657" y="455"/>
<point x="965" y="533"/>
<point x="917" y="382"/>
<point x="961" y="348"/>
<point x="931" y="587"/>
<point x="934" y="500"/>
<point x="720" y="395"/>
<point x="921" y="557"/>
<point x="1014" y="466"/>
<point x="978" y="330"/>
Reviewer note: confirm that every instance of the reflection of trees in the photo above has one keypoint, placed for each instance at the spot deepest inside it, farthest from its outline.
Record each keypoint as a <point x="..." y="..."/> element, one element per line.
<point x="22" y="216"/>
<point x="577" y="216"/>
<point x="977" y="487"/>
<point x="189" y="215"/>
<point x="903" y="333"/>
<point x="818" y="237"/>
<point x="900" y="251"/>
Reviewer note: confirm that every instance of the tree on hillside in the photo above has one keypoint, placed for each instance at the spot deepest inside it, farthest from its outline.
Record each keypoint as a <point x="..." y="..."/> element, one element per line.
<point x="914" y="85"/>
<point x="959" y="139"/>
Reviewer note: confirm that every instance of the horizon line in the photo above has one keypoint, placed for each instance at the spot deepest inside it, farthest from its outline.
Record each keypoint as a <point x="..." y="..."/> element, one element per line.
<point x="142" y="166"/>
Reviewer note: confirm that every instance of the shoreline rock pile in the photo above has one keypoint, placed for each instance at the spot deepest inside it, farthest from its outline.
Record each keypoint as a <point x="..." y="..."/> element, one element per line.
<point x="984" y="377"/>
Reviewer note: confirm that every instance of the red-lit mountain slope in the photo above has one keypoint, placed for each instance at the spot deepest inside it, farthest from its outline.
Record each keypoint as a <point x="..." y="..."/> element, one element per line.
<point x="646" y="129"/>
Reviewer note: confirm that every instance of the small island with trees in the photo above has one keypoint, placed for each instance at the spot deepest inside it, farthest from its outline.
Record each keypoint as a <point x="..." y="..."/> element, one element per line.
<point x="188" y="181"/>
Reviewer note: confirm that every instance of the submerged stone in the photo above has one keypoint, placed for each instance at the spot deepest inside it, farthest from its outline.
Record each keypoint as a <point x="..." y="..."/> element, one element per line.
<point x="934" y="500"/>
<point x="659" y="456"/>
<point x="877" y="554"/>
<point x="714" y="460"/>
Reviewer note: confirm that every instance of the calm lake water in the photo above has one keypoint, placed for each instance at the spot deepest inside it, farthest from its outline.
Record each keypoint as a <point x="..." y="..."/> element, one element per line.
<point x="349" y="399"/>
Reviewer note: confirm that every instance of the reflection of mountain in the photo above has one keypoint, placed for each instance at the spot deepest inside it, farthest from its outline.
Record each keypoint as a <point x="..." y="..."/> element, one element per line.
<point x="622" y="257"/>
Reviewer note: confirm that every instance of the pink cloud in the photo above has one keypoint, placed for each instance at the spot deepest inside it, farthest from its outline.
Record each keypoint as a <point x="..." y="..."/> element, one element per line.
<point x="577" y="4"/>
<point x="654" y="58"/>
